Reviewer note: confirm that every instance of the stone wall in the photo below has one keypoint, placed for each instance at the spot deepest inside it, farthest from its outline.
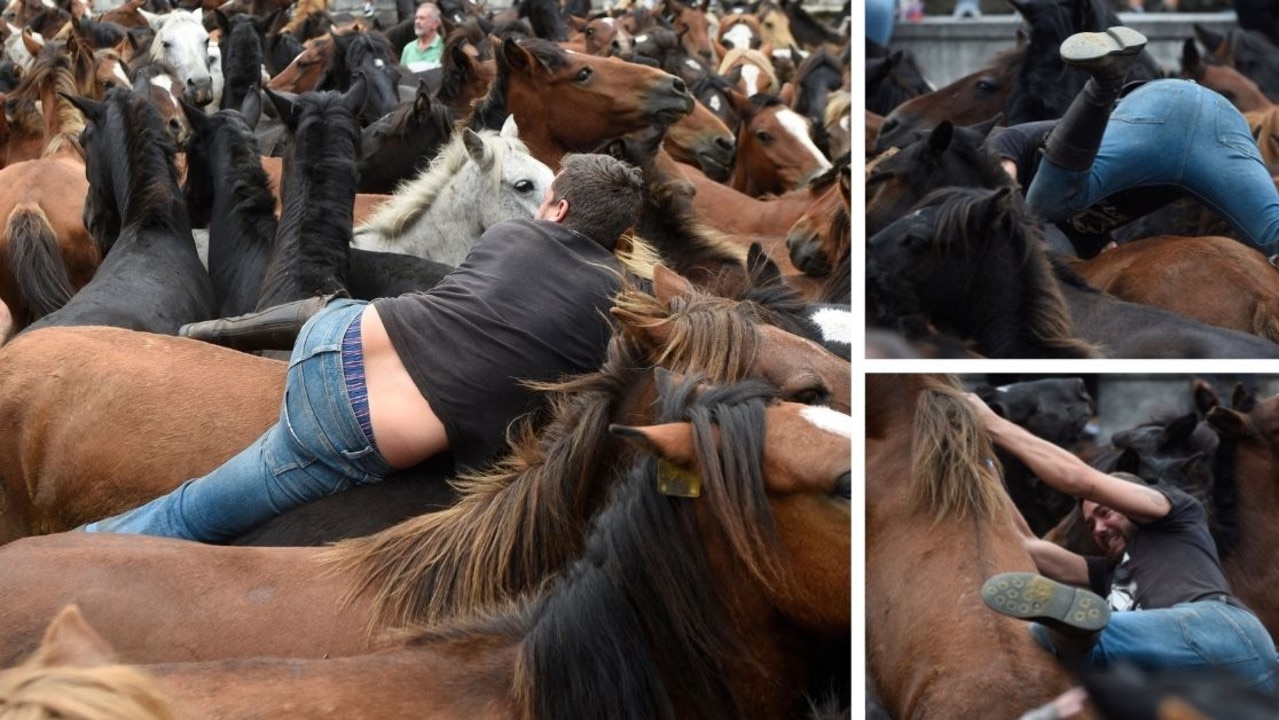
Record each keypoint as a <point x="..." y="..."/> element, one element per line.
<point x="948" y="49"/>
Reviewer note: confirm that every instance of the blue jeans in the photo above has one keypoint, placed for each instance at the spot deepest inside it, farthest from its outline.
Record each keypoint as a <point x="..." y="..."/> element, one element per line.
<point x="879" y="20"/>
<point x="317" y="448"/>
<point x="1172" y="132"/>
<point x="1205" y="634"/>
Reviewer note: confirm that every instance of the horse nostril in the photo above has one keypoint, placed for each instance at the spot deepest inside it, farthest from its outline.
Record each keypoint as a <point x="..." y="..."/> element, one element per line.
<point x="726" y="143"/>
<point x="679" y="86"/>
<point x="889" y="125"/>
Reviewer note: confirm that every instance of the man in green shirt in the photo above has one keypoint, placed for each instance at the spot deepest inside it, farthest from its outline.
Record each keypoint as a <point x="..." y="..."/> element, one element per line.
<point x="425" y="51"/>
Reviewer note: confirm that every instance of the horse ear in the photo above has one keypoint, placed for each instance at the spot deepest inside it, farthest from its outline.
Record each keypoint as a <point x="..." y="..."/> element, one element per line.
<point x="515" y="56"/>
<point x="251" y="107"/>
<point x="510" y="129"/>
<point x="939" y="137"/>
<point x="742" y="105"/>
<point x="29" y="41"/>
<point x="1211" y="39"/>
<point x="1205" y="396"/>
<point x="422" y="99"/>
<point x="1128" y="461"/>
<point x="669" y="285"/>
<point x="1243" y="399"/>
<point x="356" y="95"/>
<point x="459" y="56"/>
<point x="71" y="641"/>
<point x="92" y="109"/>
<point x="1227" y="421"/>
<point x="223" y="23"/>
<point x="673" y="444"/>
<point x="284" y="104"/>
<point x="1191" y="63"/>
<point x="787" y="94"/>
<point x="1178" y="431"/>
<point x="481" y="153"/>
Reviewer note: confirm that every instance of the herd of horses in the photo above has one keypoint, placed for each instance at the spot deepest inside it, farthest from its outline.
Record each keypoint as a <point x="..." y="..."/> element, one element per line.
<point x="987" y="279"/>
<point x="670" y="538"/>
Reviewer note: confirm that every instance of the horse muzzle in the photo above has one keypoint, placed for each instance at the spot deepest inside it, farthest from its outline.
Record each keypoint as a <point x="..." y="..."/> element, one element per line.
<point x="806" y="255"/>
<point x="199" y="92"/>
<point x="669" y="101"/>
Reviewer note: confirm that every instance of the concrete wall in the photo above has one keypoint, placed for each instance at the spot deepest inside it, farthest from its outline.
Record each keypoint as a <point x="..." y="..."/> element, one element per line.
<point x="948" y="49"/>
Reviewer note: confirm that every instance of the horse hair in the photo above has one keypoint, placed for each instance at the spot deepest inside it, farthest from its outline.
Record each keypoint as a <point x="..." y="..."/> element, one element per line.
<point x="452" y="79"/>
<point x="489" y="112"/>
<point x="953" y="463"/>
<point x="513" y="524"/>
<point x="623" y="591"/>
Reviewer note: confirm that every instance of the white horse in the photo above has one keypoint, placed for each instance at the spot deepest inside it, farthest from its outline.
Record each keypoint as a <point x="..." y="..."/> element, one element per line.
<point x="182" y="42"/>
<point x="476" y="181"/>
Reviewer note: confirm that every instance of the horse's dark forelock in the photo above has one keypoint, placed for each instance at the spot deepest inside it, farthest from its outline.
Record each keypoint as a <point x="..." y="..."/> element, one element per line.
<point x="655" y="588"/>
<point x="551" y="56"/>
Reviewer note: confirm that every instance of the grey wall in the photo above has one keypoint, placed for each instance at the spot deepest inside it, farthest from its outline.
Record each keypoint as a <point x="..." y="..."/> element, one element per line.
<point x="948" y="49"/>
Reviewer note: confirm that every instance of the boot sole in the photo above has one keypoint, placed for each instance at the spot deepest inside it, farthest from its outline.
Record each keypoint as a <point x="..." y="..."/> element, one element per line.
<point x="1034" y="597"/>
<point x="1090" y="47"/>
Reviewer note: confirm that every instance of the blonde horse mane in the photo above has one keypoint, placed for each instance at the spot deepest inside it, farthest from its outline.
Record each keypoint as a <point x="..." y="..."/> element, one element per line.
<point x="414" y="197"/>
<point x="107" y="692"/>
<point x="953" y="467"/>
<point x="754" y="57"/>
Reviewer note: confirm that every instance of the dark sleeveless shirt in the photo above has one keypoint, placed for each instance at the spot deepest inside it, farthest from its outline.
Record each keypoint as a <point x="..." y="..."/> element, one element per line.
<point x="529" y="302"/>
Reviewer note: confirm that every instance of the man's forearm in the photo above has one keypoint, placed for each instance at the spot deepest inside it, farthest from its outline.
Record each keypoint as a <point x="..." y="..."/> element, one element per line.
<point x="1056" y="466"/>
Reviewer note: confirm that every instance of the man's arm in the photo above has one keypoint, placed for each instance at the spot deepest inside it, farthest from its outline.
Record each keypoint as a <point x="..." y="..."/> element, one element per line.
<point x="1050" y="559"/>
<point x="1064" y="472"/>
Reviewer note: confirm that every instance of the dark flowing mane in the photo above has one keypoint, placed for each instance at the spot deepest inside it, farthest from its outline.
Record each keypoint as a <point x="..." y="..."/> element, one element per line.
<point x="522" y="520"/>
<point x="467" y="33"/>
<point x="635" y="638"/>
<point x="318" y="196"/>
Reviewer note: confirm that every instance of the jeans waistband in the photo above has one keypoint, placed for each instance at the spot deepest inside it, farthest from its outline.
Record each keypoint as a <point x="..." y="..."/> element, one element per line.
<point x="353" y="376"/>
<point x="1221" y="597"/>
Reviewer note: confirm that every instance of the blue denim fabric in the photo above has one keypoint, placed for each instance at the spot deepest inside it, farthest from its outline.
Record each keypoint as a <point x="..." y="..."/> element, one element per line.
<point x="879" y="20"/>
<point x="1172" y="132"/>
<point x="317" y="448"/>
<point x="1206" y="634"/>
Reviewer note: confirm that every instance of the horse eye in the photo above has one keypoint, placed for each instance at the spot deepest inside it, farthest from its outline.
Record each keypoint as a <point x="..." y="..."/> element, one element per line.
<point x="584" y="74"/>
<point x="811" y="396"/>
<point x="764" y="136"/>
<point x="768" y="25"/>
<point x="590" y="32"/>
<point x="524" y="186"/>
<point x="986" y="86"/>
<point x="844" y="486"/>
<point x="166" y="44"/>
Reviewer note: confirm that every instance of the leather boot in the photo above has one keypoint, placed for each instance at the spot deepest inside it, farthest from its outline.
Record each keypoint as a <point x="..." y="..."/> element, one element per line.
<point x="1073" y="617"/>
<point x="1074" y="140"/>
<point x="275" y="328"/>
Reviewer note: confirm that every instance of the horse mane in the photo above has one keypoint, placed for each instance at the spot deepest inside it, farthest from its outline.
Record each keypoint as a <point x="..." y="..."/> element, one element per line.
<point x="54" y="67"/>
<point x="466" y="33"/>
<point x="837" y="103"/>
<point x="616" y="599"/>
<point x="753" y="57"/>
<point x="1047" y="315"/>
<point x="516" y="523"/>
<point x="1265" y="131"/>
<point x="414" y="197"/>
<point x="151" y="155"/>
<point x="953" y="466"/>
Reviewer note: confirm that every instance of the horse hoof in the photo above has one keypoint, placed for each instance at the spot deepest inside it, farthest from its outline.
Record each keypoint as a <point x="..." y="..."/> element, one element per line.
<point x="1028" y="596"/>
<point x="1097" y="49"/>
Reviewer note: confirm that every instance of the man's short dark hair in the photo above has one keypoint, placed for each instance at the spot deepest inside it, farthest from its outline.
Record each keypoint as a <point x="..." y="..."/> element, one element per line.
<point x="604" y="196"/>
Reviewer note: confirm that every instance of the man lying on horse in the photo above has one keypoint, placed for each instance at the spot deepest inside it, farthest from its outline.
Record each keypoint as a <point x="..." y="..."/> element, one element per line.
<point x="383" y="386"/>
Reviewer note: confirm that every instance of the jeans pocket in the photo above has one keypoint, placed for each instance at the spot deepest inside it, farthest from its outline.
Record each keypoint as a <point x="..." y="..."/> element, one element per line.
<point x="1233" y="130"/>
<point x="1151" y="104"/>
<point x="285" y="450"/>
<point x="1215" y="636"/>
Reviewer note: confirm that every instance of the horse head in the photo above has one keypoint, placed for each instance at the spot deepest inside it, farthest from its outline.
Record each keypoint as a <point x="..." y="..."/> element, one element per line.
<point x="182" y="42"/>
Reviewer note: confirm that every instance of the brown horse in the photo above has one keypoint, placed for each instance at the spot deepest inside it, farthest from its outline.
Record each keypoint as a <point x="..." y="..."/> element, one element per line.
<point x="307" y="70"/>
<point x="937" y="526"/>
<point x="822" y="236"/>
<point x="736" y="213"/>
<point x="974" y="98"/>
<point x="1240" y="90"/>
<point x="775" y="148"/>
<point x="756" y="565"/>
<point x="692" y="26"/>
<point x="700" y="138"/>
<point x="753" y="71"/>
<point x="447" y="562"/>
<point x="46" y="252"/>
<point x="1212" y="279"/>
<point x="568" y="102"/>
<point x="602" y="36"/>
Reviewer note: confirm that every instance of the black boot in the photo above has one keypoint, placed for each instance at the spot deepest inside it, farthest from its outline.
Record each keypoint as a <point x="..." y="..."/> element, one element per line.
<point x="1072" y="144"/>
<point x="1073" y="616"/>
<point x="275" y="328"/>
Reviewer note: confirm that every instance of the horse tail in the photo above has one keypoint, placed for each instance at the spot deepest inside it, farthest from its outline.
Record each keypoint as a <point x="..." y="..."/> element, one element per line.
<point x="952" y="460"/>
<point x="1265" y="324"/>
<point x="35" y="261"/>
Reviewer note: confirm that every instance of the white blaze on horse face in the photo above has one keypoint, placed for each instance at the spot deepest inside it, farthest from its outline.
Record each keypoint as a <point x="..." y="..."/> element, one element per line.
<point x="750" y="76"/>
<point x="120" y="75"/>
<point x="797" y="125"/>
<point x="715" y="103"/>
<point x="836" y="325"/>
<point x="831" y="421"/>
<point x="740" y="36"/>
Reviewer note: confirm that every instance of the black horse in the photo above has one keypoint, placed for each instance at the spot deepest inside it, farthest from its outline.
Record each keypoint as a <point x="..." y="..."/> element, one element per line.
<point x="242" y="56"/>
<point x="402" y="143"/>
<point x="151" y="278"/>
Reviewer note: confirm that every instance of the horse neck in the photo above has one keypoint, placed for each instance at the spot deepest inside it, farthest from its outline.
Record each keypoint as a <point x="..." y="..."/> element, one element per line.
<point x="755" y="177"/>
<point x="242" y="227"/>
<point x="916" y="671"/>
<point x="313" y="237"/>
<point x="1251" y="562"/>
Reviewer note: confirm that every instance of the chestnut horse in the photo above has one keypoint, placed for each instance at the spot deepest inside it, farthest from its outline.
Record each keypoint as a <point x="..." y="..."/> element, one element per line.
<point x="775" y="148"/>
<point x="207" y="403"/>
<point x="568" y="102"/>
<point x="822" y="236"/>
<point x="739" y="528"/>
<point x="1234" y="285"/>
<point x="937" y="526"/>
